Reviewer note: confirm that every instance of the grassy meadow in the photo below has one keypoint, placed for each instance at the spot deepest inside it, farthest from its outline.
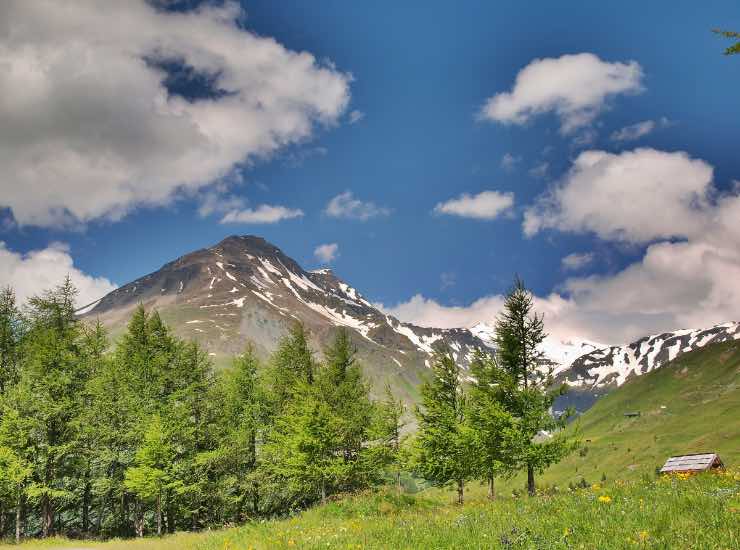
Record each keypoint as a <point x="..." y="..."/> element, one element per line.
<point x="669" y="513"/>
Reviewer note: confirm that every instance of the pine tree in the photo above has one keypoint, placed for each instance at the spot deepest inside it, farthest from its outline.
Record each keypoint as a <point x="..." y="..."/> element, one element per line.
<point x="342" y="387"/>
<point x="385" y="451"/>
<point x="292" y="363"/>
<point x="444" y="444"/>
<point x="55" y="377"/>
<point x="245" y="410"/>
<point x="151" y="472"/>
<point x="493" y="427"/>
<point x="525" y="382"/>
<point x="10" y="338"/>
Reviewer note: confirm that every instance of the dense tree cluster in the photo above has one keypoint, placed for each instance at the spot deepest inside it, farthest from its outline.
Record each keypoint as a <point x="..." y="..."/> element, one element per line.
<point x="146" y="437"/>
<point x="143" y="436"/>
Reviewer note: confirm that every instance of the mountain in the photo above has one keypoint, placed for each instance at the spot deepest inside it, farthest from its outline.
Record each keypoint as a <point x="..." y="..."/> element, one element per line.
<point x="689" y="405"/>
<point x="602" y="370"/>
<point x="246" y="289"/>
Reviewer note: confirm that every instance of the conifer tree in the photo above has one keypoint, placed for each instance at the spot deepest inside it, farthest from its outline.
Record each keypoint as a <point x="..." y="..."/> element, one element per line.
<point x="494" y="429"/>
<point x="525" y="382"/>
<point x="245" y="417"/>
<point x="151" y="472"/>
<point x="342" y="387"/>
<point x="10" y="336"/>
<point x="292" y="363"/>
<point x="54" y="377"/>
<point x="444" y="444"/>
<point x="385" y="451"/>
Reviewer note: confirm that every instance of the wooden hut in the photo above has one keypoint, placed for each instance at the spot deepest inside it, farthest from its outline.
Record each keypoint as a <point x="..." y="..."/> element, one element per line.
<point x="695" y="463"/>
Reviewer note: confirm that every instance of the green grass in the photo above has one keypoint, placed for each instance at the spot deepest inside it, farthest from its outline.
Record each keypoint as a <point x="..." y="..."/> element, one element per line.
<point x="690" y="405"/>
<point x="701" y="512"/>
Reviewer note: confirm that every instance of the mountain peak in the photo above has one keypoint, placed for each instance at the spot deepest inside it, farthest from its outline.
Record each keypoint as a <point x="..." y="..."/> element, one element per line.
<point x="246" y="289"/>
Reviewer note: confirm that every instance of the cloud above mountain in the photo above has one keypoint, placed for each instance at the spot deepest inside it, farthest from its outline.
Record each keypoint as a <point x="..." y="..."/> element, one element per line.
<point x="90" y="129"/>
<point x="688" y="277"/>
<point x="574" y="87"/>
<point x="38" y="270"/>
<point x="326" y="253"/>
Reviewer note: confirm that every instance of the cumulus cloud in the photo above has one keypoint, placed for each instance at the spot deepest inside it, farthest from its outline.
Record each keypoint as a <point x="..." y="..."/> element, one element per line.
<point x="31" y="273"/>
<point x="90" y="130"/>
<point x="326" y="253"/>
<point x="345" y="205"/>
<point x="634" y="131"/>
<point x="577" y="260"/>
<point x="486" y="205"/>
<point x="575" y="87"/>
<point x="634" y="196"/>
<point x="264" y="213"/>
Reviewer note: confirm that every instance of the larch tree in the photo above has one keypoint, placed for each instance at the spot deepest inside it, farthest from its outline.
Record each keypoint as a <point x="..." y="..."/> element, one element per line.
<point x="525" y="384"/>
<point x="494" y="429"/>
<point x="444" y="444"/>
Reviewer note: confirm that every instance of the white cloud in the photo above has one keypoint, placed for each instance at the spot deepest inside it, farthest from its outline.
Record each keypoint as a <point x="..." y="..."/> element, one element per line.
<point x="356" y="116"/>
<point x="577" y="260"/>
<point x="692" y="283"/>
<point x="634" y="131"/>
<point x="486" y="205"/>
<point x="635" y="196"/>
<point x="509" y="161"/>
<point x="575" y="87"/>
<point x="89" y="130"/>
<point x="31" y="273"/>
<point x="264" y="213"/>
<point x="326" y="253"/>
<point x="346" y="206"/>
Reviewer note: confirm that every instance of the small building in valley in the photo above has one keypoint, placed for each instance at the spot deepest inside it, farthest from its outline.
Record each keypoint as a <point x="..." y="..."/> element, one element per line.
<point x="691" y="464"/>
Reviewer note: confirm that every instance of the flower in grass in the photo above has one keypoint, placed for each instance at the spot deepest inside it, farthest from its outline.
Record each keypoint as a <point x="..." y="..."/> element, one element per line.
<point x="643" y="536"/>
<point x="606" y="499"/>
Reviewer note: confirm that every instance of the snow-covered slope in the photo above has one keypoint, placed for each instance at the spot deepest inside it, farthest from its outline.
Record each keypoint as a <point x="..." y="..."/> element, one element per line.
<point x="560" y="352"/>
<point x="611" y="367"/>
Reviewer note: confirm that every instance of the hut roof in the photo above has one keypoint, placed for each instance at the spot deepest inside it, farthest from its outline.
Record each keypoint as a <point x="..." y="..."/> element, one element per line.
<point x="692" y="463"/>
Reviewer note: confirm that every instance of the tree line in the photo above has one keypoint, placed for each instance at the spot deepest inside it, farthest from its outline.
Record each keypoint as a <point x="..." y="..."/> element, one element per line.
<point x="143" y="436"/>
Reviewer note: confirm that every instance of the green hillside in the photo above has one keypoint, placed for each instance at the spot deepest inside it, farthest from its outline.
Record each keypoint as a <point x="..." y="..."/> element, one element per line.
<point x="690" y="405"/>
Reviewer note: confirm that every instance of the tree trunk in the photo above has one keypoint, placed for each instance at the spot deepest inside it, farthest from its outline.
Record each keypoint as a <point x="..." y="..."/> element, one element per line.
<point x="47" y="516"/>
<point x="399" y="487"/>
<point x="491" y="488"/>
<point x="139" y="519"/>
<point x="256" y="499"/>
<point x="18" y="515"/>
<point x="2" y="521"/>
<point x="86" y="507"/>
<point x="460" y="491"/>
<point x="531" y="489"/>
<point x="323" y="491"/>
<point x="159" y="514"/>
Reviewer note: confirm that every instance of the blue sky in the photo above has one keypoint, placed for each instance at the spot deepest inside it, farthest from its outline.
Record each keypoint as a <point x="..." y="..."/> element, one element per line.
<point x="420" y="74"/>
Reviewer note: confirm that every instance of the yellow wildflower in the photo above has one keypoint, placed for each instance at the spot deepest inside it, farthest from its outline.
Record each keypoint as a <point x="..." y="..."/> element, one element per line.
<point x="606" y="499"/>
<point x="644" y="535"/>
